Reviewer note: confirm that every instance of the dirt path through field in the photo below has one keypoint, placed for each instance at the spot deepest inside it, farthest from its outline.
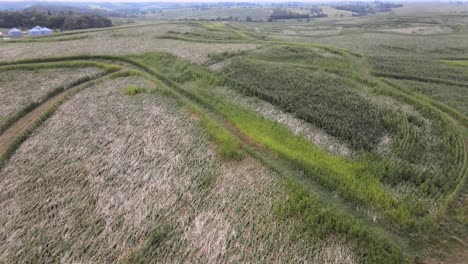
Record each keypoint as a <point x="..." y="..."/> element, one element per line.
<point x="29" y="119"/>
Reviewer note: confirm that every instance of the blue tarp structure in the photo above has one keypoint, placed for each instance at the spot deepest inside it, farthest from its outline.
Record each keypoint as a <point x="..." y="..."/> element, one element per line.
<point x="15" y="33"/>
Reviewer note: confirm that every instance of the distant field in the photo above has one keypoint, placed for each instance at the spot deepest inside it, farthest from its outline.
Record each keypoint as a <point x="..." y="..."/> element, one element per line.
<point x="242" y="13"/>
<point x="256" y="13"/>
<point x="333" y="12"/>
<point x="431" y="8"/>
<point x="376" y="35"/>
<point x="121" y="41"/>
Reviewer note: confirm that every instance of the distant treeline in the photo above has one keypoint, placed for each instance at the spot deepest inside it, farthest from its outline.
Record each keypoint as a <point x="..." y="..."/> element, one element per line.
<point x="279" y="13"/>
<point x="362" y="9"/>
<point x="62" y="21"/>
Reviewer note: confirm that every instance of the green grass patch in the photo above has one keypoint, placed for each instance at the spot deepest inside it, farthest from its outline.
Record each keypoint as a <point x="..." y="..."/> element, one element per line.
<point x="38" y="65"/>
<point x="463" y="63"/>
<point x="134" y="90"/>
<point x="227" y="145"/>
<point x="319" y="222"/>
<point x="350" y="179"/>
<point x="149" y="251"/>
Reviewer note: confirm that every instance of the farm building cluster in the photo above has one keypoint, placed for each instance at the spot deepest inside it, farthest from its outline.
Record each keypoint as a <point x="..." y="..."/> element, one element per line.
<point x="36" y="31"/>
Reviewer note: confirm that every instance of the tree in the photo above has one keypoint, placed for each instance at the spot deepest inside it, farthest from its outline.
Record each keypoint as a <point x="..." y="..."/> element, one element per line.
<point x="70" y="23"/>
<point x="54" y="21"/>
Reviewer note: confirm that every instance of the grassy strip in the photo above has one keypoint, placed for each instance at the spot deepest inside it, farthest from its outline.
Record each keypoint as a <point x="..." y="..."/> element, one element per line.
<point x="416" y="78"/>
<point x="50" y="39"/>
<point x="228" y="146"/>
<point x="319" y="222"/>
<point x="204" y="40"/>
<point x="244" y="33"/>
<point x="458" y="62"/>
<point x="125" y="74"/>
<point x="350" y="179"/>
<point x="32" y="65"/>
<point x="265" y="40"/>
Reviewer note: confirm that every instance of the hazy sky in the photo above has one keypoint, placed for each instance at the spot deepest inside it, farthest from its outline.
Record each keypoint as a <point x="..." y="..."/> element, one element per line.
<point x="256" y="1"/>
<point x="280" y="1"/>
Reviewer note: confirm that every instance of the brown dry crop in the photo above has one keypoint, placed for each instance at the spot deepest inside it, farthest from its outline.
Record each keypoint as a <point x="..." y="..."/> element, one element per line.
<point x="20" y="88"/>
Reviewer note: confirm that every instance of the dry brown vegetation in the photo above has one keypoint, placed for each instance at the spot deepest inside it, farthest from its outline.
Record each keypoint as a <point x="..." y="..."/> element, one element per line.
<point x="236" y="223"/>
<point x="97" y="173"/>
<point x="112" y="177"/>
<point x="133" y="40"/>
<point x="20" y="88"/>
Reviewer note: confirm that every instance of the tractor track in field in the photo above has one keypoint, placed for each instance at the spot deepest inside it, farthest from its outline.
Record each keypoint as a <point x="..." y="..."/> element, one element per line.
<point x="24" y="123"/>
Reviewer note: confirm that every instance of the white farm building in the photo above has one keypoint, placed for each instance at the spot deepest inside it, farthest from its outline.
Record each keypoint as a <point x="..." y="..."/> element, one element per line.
<point x="15" y="33"/>
<point x="38" y="31"/>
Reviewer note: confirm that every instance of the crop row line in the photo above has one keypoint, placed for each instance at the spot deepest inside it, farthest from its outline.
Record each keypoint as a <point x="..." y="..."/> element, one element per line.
<point x="418" y="78"/>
